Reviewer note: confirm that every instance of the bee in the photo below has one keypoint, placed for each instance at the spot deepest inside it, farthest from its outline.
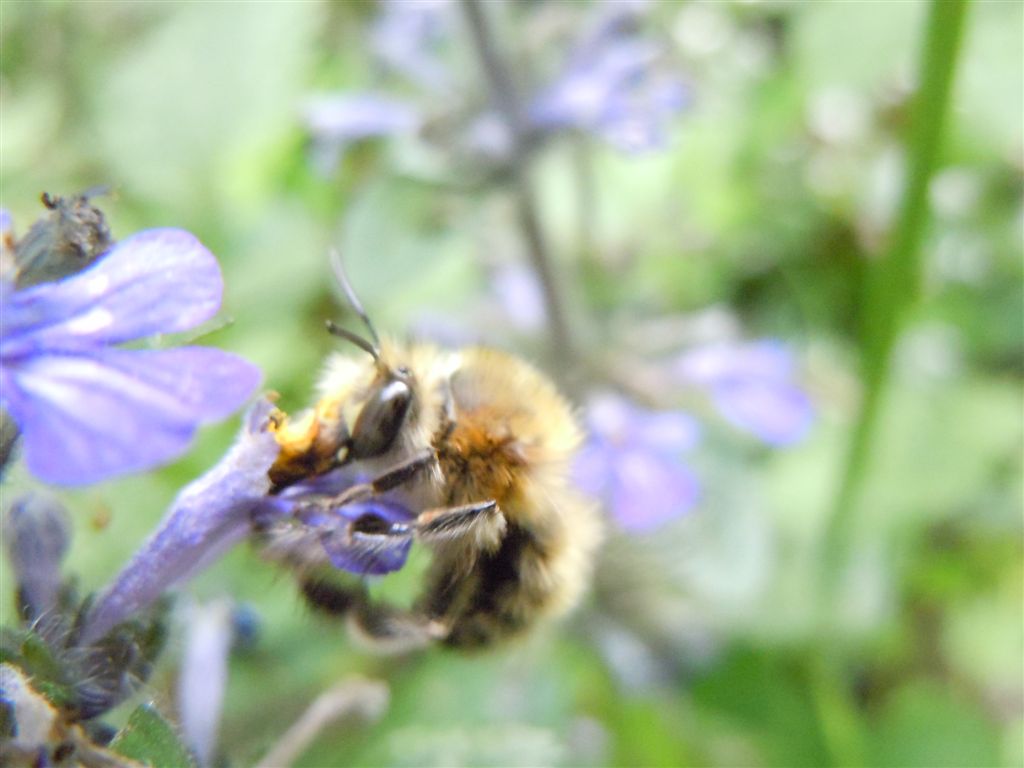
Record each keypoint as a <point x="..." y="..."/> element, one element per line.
<point x="477" y="444"/>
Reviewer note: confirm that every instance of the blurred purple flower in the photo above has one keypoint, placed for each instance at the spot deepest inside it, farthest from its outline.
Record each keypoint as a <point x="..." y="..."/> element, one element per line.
<point x="611" y="86"/>
<point x="752" y="387"/>
<point x="204" y="676"/>
<point x="633" y="462"/>
<point x="36" y="536"/>
<point x="339" y="120"/>
<point x="207" y="517"/>
<point x="88" y="410"/>
<point x="346" y="118"/>
<point x="520" y="295"/>
<point x="405" y="37"/>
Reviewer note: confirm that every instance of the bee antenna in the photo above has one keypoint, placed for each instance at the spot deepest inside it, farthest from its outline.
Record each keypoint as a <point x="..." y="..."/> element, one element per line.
<point x="336" y="330"/>
<point x="342" y="277"/>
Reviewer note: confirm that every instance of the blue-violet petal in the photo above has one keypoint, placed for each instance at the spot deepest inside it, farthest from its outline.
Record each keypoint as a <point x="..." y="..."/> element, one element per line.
<point x="88" y="416"/>
<point x="157" y="281"/>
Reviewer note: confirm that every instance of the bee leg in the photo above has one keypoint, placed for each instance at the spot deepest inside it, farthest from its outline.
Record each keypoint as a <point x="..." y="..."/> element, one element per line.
<point x="376" y="625"/>
<point x="330" y="597"/>
<point x="390" y="478"/>
<point x="482" y="521"/>
<point x="370" y="544"/>
<point x="310" y="445"/>
<point x="383" y="628"/>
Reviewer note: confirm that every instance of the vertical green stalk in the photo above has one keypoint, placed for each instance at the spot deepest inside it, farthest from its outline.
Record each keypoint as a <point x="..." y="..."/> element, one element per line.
<point x="892" y="287"/>
<point x="838" y="718"/>
<point x="893" y="284"/>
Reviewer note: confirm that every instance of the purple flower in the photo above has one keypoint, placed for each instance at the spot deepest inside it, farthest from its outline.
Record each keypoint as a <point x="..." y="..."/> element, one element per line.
<point x="204" y="676"/>
<point x="88" y="410"/>
<point x="752" y="387"/>
<point x="633" y="462"/>
<point x="342" y="119"/>
<point x="402" y="38"/>
<point x="207" y="517"/>
<point x="359" y="551"/>
<point x="519" y="293"/>
<point x="367" y="538"/>
<point x="405" y="37"/>
<point x="612" y="86"/>
<point x="36" y="538"/>
<point x="338" y="120"/>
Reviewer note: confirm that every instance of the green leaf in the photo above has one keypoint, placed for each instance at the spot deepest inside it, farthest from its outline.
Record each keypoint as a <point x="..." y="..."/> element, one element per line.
<point x="647" y="732"/>
<point x="50" y="679"/>
<point x="226" y="78"/>
<point x="768" y="696"/>
<point x="150" y="739"/>
<point x="927" y="725"/>
<point x="27" y="651"/>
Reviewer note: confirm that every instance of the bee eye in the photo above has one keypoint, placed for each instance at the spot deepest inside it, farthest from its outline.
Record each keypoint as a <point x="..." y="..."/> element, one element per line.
<point x="380" y="420"/>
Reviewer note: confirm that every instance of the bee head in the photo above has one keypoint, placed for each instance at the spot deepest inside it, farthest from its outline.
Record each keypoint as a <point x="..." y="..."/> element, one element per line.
<point x="383" y="413"/>
<point x="387" y="405"/>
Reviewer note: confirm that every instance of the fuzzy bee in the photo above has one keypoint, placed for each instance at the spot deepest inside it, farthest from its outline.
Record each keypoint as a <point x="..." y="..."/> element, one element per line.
<point x="477" y="444"/>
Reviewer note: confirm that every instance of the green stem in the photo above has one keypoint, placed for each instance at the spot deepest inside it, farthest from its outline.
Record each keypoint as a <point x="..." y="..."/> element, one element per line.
<point x="893" y="284"/>
<point x="506" y="100"/>
<point x="838" y="719"/>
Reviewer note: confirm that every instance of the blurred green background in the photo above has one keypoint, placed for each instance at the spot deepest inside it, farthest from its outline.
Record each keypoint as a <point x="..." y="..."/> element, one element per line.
<point x="707" y="642"/>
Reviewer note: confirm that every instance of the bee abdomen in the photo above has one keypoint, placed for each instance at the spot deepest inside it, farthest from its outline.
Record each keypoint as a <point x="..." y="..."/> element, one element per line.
<point x="503" y="599"/>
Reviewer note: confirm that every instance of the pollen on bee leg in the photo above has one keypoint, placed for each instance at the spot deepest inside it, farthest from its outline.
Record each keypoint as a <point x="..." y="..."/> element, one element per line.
<point x="296" y="438"/>
<point x="294" y="435"/>
<point x="312" y="443"/>
<point x="332" y="431"/>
